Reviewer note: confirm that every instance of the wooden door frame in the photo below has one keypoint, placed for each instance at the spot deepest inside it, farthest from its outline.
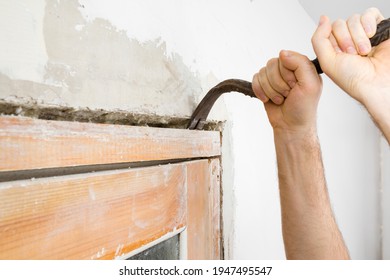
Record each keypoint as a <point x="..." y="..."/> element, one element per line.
<point x="88" y="215"/>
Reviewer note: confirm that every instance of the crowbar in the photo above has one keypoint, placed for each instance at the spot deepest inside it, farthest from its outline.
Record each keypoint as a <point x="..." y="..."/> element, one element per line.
<point x="198" y="118"/>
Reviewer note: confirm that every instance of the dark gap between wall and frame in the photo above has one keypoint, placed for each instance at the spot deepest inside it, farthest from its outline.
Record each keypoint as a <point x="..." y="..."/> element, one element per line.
<point x="118" y="117"/>
<point x="57" y="113"/>
<point x="86" y="115"/>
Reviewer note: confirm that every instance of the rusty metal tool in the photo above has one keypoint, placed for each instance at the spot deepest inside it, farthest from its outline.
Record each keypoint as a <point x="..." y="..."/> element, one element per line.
<point x="198" y="118"/>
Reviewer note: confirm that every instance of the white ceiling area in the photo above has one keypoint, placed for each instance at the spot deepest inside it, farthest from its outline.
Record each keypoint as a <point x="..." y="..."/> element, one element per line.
<point x="342" y="9"/>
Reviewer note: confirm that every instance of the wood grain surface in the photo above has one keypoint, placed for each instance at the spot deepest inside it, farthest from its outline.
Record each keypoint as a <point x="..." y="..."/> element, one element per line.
<point x="91" y="216"/>
<point x="27" y="143"/>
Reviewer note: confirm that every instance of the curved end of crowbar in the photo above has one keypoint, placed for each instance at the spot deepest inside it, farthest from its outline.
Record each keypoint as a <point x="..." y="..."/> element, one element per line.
<point x="198" y="118"/>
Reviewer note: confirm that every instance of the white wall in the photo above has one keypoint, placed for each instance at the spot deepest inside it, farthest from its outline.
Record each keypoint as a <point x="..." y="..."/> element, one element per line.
<point x="161" y="57"/>
<point x="385" y="192"/>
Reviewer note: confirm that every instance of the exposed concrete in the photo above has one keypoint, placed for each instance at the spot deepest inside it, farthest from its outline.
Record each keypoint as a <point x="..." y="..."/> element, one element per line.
<point x="22" y="46"/>
<point x="92" y="64"/>
<point x="61" y="113"/>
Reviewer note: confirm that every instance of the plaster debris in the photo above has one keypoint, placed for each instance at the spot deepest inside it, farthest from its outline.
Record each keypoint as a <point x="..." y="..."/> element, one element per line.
<point x="121" y="117"/>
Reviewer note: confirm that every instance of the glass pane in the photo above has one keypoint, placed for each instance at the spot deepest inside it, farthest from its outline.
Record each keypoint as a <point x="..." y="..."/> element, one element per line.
<point x="166" y="250"/>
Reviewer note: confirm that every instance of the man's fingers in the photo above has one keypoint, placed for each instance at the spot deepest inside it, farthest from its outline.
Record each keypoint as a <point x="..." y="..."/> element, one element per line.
<point x="301" y="66"/>
<point x="369" y="24"/>
<point x="352" y="36"/>
<point x="358" y="34"/>
<point x="334" y="43"/>
<point x="275" y="78"/>
<point x="343" y="37"/>
<point x="322" y="44"/>
<point x="287" y="75"/>
<point x="370" y="19"/>
<point x="269" y="91"/>
<point x="257" y="89"/>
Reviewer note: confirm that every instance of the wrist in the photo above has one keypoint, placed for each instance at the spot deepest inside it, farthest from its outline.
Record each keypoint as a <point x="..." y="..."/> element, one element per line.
<point x="376" y="99"/>
<point x="378" y="106"/>
<point x="287" y="136"/>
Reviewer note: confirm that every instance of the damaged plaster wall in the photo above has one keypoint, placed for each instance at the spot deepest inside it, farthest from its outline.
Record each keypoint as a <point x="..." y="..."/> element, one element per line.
<point x="92" y="64"/>
<point x="160" y="58"/>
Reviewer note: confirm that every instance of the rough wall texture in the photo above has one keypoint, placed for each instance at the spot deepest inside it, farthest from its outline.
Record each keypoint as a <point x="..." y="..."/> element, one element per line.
<point x="93" y="64"/>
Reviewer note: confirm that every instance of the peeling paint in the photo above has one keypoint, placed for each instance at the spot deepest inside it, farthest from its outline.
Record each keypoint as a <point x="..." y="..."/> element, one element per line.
<point x="92" y="194"/>
<point x="92" y="64"/>
<point x="119" y="250"/>
<point x="99" y="254"/>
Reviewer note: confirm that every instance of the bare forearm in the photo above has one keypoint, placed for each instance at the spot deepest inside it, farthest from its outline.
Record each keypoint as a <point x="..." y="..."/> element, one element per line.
<point x="309" y="228"/>
<point x="379" y="109"/>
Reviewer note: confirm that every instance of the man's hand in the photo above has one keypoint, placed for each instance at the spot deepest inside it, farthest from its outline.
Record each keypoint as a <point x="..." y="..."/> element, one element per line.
<point x="346" y="56"/>
<point x="290" y="88"/>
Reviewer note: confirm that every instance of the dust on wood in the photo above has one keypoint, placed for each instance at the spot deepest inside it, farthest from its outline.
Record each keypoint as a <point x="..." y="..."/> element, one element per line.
<point x="120" y="117"/>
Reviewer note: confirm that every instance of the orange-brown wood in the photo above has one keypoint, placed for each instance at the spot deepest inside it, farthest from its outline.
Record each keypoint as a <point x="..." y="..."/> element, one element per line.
<point x="27" y="143"/>
<point x="108" y="214"/>
<point x="203" y="213"/>
<point x="92" y="216"/>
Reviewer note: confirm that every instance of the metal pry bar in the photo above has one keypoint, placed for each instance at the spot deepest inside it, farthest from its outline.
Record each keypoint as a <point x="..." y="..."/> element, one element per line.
<point x="198" y="118"/>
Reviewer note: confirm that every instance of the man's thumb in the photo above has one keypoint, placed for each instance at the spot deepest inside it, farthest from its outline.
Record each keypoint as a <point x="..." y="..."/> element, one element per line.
<point x="322" y="45"/>
<point x="299" y="64"/>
